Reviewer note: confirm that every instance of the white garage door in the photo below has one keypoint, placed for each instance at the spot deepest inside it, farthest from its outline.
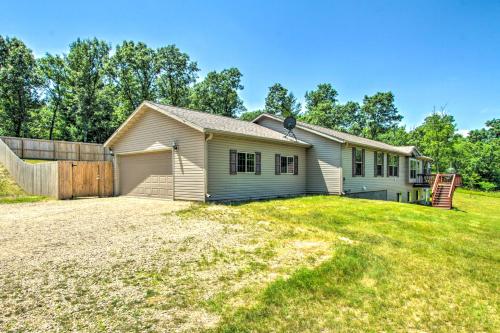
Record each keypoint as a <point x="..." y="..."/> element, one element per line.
<point x="146" y="175"/>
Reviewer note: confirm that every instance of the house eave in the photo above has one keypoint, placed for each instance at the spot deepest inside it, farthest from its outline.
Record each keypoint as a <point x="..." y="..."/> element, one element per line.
<point x="300" y="127"/>
<point x="259" y="138"/>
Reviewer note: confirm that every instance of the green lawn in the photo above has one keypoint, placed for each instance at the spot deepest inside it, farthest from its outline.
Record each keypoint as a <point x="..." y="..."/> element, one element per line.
<point x="36" y="161"/>
<point x="363" y="266"/>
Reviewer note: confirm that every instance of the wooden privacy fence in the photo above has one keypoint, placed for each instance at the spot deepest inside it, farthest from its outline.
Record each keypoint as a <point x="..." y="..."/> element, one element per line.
<point x="61" y="179"/>
<point x="37" y="179"/>
<point x="56" y="150"/>
<point x="85" y="179"/>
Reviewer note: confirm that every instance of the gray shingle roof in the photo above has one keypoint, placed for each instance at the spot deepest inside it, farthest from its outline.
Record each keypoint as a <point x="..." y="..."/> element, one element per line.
<point x="219" y="124"/>
<point x="352" y="139"/>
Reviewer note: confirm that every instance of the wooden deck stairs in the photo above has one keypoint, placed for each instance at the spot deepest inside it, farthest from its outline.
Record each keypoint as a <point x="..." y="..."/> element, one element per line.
<point x="443" y="189"/>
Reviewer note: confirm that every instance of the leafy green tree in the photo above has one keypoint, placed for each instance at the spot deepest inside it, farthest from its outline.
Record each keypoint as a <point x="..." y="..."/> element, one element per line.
<point x="250" y="115"/>
<point x="477" y="157"/>
<point x="322" y="108"/>
<point x="19" y="84"/>
<point x="492" y="131"/>
<point x="435" y="138"/>
<point x="493" y="127"/>
<point x="177" y="74"/>
<point x="281" y="102"/>
<point x="218" y="93"/>
<point x="397" y="136"/>
<point x="55" y="83"/>
<point x="133" y="70"/>
<point x="354" y="120"/>
<point x="324" y="94"/>
<point x="89" y="98"/>
<point x="342" y="117"/>
<point x="380" y="113"/>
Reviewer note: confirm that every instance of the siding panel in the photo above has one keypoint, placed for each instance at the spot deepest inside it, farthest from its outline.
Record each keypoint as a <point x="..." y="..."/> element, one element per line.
<point x="369" y="182"/>
<point x="324" y="164"/>
<point x="242" y="186"/>
<point x="151" y="131"/>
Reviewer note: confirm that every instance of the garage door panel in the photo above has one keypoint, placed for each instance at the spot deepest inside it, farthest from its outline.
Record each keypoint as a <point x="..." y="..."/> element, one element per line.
<point x="146" y="175"/>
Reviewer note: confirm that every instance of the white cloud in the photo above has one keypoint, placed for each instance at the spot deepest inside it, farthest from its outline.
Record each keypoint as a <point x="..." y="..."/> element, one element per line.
<point x="463" y="132"/>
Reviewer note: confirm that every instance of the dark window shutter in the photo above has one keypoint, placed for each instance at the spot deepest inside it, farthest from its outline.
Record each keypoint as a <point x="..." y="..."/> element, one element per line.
<point x="383" y="156"/>
<point x="295" y="165"/>
<point x="363" y="163"/>
<point x="257" y="163"/>
<point x="397" y="164"/>
<point x="375" y="163"/>
<point x="388" y="163"/>
<point x="277" y="164"/>
<point x="353" y="161"/>
<point x="232" y="162"/>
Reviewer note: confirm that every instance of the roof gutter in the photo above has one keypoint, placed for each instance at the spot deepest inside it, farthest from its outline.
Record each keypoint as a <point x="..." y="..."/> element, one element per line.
<point x="259" y="138"/>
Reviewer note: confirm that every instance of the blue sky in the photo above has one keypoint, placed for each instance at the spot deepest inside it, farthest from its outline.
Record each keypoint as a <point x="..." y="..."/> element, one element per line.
<point x="429" y="53"/>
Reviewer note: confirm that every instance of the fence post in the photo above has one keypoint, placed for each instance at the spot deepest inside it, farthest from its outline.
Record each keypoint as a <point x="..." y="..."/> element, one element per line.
<point x="22" y="149"/>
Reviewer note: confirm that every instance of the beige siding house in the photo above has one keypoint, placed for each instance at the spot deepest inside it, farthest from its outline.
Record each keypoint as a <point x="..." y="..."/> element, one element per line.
<point x="147" y="136"/>
<point x="249" y="185"/>
<point x="324" y="163"/>
<point x="174" y="153"/>
<point x="333" y="157"/>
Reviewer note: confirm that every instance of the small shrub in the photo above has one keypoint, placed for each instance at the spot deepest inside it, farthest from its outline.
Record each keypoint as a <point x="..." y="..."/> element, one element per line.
<point x="487" y="186"/>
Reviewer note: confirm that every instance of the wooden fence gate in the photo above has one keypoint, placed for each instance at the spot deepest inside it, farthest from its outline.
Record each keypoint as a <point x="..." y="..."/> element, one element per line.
<point x="85" y="179"/>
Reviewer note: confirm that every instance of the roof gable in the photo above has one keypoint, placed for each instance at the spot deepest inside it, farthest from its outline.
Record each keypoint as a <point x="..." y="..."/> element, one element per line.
<point x="207" y="123"/>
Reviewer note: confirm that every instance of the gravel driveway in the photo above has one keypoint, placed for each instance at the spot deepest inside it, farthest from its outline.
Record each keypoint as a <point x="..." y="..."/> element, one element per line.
<point x="115" y="264"/>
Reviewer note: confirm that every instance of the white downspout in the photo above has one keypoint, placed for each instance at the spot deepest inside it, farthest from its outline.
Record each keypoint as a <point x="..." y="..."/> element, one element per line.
<point x="209" y="137"/>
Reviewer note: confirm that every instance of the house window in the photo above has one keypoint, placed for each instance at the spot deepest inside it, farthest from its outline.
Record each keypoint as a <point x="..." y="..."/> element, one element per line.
<point x="246" y="162"/>
<point x="250" y="163"/>
<point x="379" y="164"/>
<point x="358" y="162"/>
<point x="413" y="168"/>
<point x="393" y="165"/>
<point x="427" y="168"/>
<point x="283" y="164"/>
<point x="287" y="164"/>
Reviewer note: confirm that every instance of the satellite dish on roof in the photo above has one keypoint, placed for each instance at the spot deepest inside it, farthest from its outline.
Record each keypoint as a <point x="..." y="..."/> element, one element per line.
<point x="289" y="123"/>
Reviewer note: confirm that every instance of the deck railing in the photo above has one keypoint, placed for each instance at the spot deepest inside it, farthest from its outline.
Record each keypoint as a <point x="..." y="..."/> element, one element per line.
<point x="454" y="179"/>
<point x="424" y="180"/>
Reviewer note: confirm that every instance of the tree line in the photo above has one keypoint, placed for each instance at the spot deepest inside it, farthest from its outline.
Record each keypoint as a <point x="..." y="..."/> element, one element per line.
<point x="86" y="93"/>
